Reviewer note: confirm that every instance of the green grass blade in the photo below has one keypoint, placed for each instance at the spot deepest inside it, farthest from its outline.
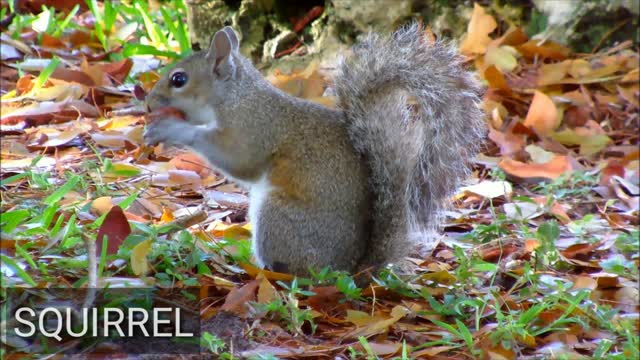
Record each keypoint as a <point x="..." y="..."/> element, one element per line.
<point x="62" y="191"/>
<point x="152" y="30"/>
<point x="64" y="23"/>
<point x="11" y="219"/>
<point x="138" y="49"/>
<point x="13" y="178"/>
<point x="45" y="74"/>
<point x="18" y="270"/>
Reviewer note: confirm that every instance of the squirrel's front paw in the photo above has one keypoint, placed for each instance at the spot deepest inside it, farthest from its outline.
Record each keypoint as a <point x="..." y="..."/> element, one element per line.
<point x="166" y="125"/>
<point x="168" y="131"/>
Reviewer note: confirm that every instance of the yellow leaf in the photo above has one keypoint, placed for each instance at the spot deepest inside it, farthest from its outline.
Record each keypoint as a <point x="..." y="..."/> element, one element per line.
<point x="632" y="76"/>
<point x="480" y="26"/>
<point x="502" y="57"/>
<point x="361" y="318"/>
<point x="538" y="154"/>
<point x="101" y="205"/>
<point x="236" y="232"/>
<point x="553" y="73"/>
<point x="167" y="215"/>
<point x="139" y="262"/>
<point x="589" y="143"/>
<point x="266" y="291"/>
<point x="579" y="68"/>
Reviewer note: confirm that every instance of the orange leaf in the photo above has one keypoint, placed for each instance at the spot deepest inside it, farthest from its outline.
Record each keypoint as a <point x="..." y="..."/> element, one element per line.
<point x="495" y="78"/>
<point x="531" y="244"/>
<point x="192" y="162"/>
<point x="548" y="50"/>
<point x="167" y="215"/>
<point x="480" y="26"/>
<point x="253" y="271"/>
<point x="550" y="170"/>
<point x="542" y="115"/>
<point x="51" y="42"/>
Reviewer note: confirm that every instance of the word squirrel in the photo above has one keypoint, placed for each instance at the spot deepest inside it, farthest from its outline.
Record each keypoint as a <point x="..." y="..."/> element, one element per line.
<point x="352" y="188"/>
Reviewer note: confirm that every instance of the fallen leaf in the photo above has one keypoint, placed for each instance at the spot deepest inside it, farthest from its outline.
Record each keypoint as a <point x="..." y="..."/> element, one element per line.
<point x="549" y="74"/>
<point x="584" y="282"/>
<point x="254" y="271"/>
<point x="237" y="298"/>
<point x="589" y="143"/>
<point x="548" y="50"/>
<point x="489" y="189"/>
<point x="550" y="170"/>
<point x="101" y="205"/>
<point x="478" y="30"/>
<point x="376" y="325"/>
<point x="538" y="154"/>
<point x="266" y="291"/>
<point x="542" y="115"/>
<point x="139" y="263"/>
<point x="116" y="227"/>
<point x="502" y="58"/>
<point x="495" y="78"/>
<point x="522" y="210"/>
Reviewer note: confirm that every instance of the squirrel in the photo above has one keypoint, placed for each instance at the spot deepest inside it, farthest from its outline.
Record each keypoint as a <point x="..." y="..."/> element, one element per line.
<point x="350" y="188"/>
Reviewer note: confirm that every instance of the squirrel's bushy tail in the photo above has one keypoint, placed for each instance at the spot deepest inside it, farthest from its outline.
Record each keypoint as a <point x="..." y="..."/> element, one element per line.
<point x="418" y="154"/>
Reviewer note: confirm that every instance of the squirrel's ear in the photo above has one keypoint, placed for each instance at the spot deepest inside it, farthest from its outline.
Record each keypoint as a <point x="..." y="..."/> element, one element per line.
<point x="219" y="52"/>
<point x="233" y="38"/>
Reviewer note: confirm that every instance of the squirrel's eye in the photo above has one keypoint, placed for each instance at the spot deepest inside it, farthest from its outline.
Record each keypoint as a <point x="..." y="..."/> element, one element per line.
<point x="178" y="79"/>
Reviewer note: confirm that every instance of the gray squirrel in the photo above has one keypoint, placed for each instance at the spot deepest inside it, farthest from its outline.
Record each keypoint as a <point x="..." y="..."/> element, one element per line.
<point x="351" y="188"/>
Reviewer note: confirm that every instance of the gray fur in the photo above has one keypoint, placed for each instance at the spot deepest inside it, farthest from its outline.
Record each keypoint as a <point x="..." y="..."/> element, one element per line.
<point x="417" y="159"/>
<point x="348" y="185"/>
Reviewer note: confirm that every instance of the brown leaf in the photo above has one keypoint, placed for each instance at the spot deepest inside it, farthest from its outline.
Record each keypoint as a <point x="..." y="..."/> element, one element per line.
<point x="118" y="70"/>
<point x="116" y="227"/>
<point x="51" y="42"/>
<point x="237" y="298"/>
<point x="73" y="76"/>
<point x="580" y="250"/>
<point x="508" y="142"/>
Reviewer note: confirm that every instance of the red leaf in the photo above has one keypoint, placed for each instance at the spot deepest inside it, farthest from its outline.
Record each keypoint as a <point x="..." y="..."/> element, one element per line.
<point x="116" y="228"/>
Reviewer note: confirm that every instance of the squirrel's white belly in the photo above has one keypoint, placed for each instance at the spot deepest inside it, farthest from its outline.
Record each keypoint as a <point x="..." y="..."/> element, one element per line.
<point x="258" y="193"/>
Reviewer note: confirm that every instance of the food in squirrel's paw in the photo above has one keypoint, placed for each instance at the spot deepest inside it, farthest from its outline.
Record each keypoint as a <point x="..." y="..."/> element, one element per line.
<point x="165" y="112"/>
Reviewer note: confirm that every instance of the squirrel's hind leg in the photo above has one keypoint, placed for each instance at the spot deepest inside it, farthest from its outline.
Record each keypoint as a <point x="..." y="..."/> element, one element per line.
<point x="291" y="239"/>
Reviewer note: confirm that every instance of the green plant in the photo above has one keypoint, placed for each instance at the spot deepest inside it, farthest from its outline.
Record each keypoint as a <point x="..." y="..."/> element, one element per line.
<point x="216" y="346"/>
<point x="495" y="230"/>
<point x="576" y="184"/>
<point x="286" y="308"/>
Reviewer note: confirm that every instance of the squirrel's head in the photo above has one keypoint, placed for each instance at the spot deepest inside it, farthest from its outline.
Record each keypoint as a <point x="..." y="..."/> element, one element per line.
<point x="203" y="81"/>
